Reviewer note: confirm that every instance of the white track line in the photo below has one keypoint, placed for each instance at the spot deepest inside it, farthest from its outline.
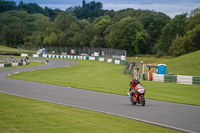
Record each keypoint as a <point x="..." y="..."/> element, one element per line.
<point x="145" y="121"/>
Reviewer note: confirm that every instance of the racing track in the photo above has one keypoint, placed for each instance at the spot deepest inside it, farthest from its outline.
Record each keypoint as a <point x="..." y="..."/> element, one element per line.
<point x="176" y="116"/>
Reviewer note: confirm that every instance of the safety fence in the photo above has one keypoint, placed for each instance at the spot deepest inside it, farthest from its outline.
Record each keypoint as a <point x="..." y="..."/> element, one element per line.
<point x="13" y="64"/>
<point x="178" y="79"/>
<point x="103" y="59"/>
<point x="87" y="51"/>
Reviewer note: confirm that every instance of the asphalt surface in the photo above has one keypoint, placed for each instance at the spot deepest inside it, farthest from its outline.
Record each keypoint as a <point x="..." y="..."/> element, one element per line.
<point x="171" y="115"/>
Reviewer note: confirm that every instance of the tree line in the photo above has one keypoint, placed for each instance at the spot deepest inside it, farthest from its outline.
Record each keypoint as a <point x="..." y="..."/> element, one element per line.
<point x="88" y="25"/>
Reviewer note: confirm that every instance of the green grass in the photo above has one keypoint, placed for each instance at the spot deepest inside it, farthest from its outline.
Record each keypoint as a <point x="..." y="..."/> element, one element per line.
<point x="148" y="59"/>
<point x="92" y="75"/>
<point x="187" y="94"/>
<point x="105" y="77"/>
<point x="31" y="64"/>
<point x="21" y="115"/>
<point x="188" y="64"/>
<point x="9" y="50"/>
<point x="4" y="49"/>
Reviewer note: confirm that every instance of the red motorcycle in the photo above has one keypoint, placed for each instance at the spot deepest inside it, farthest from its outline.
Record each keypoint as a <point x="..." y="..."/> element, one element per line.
<point x="138" y="95"/>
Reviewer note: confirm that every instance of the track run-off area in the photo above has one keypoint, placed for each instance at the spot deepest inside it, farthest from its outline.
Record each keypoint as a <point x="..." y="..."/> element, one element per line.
<point x="170" y="115"/>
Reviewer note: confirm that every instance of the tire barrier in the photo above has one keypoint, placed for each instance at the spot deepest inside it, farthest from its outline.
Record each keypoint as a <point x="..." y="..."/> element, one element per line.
<point x="178" y="79"/>
<point x="196" y="80"/>
<point x="170" y="78"/>
<point x="109" y="60"/>
<point x="158" y="77"/>
<point x="13" y="64"/>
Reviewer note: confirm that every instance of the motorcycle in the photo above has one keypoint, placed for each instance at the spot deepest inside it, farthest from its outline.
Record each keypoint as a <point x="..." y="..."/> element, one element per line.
<point x="138" y="95"/>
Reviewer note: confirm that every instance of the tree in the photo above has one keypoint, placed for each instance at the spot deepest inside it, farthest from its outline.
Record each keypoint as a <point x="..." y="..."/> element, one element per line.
<point x="63" y="20"/>
<point x="100" y="25"/>
<point x="51" y="13"/>
<point x="153" y="23"/>
<point x="85" y="36"/>
<point x="40" y="22"/>
<point x="51" y="40"/>
<point x="177" y="26"/>
<point x="62" y="29"/>
<point x="186" y="44"/>
<point x="7" y="5"/>
<point x="31" y="8"/>
<point x="194" y="18"/>
<point x="35" y="40"/>
<point x="128" y="34"/>
<point x="89" y="10"/>
<point x="193" y="37"/>
<point x="13" y="28"/>
<point x="14" y="34"/>
<point x="177" y="47"/>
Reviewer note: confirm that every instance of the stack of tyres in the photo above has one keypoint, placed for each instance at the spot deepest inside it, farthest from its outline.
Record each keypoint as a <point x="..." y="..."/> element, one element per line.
<point x="170" y="78"/>
<point x="196" y="80"/>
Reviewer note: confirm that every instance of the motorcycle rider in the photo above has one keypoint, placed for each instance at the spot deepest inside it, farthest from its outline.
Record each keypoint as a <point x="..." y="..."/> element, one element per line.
<point x="134" y="82"/>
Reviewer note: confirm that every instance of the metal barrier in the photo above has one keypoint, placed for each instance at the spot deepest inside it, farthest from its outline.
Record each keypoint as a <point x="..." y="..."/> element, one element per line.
<point x="178" y="79"/>
<point x="109" y="60"/>
<point x="82" y="51"/>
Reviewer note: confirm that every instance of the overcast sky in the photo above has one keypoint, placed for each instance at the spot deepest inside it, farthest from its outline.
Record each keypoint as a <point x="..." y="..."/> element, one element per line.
<point x="169" y="7"/>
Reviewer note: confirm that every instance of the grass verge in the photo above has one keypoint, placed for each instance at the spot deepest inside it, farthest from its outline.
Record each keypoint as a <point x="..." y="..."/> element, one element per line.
<point x="31" y="64"/>
<point x="25" y="115"/>
<point x="105" y="77"/>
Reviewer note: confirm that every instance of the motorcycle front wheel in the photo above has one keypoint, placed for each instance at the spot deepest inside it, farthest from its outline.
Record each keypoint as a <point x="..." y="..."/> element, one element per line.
<point x="132" y="101"/>
<point x="142" y="101"/>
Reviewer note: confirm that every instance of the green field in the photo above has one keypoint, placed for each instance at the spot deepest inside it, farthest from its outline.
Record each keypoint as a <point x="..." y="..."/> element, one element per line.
<point x="31" y="64"/>
<point x="148" y="59"/>
<point x="21" y="115"/>
<point x="9" y="50"/>
<point x="188" y="64"/>
<point x="4" y="49"/>
<point x="105" y="77"/>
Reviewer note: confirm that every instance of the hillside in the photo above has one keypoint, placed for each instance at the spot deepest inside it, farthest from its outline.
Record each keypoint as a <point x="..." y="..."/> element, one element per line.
<point x="9" y="50"/>
<point x="188" y="64"/>
<point x="4" y="49"/>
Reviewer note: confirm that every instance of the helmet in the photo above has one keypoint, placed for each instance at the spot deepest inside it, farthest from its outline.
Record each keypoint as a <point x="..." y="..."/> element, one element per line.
<point x="136" y="81"/>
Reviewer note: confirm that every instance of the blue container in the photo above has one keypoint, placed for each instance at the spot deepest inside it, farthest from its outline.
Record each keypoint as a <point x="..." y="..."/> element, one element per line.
<point x="43" y="51"/>
<point x="162" y="69"/>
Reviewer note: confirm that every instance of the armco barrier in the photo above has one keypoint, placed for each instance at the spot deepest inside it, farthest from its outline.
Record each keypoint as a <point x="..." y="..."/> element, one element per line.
<point x="109" y="60"/>
<point x="178" y="79"/>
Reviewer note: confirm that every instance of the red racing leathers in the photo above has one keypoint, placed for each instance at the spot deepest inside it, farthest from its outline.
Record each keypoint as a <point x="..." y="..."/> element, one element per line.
<point x="132" y="85"/>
